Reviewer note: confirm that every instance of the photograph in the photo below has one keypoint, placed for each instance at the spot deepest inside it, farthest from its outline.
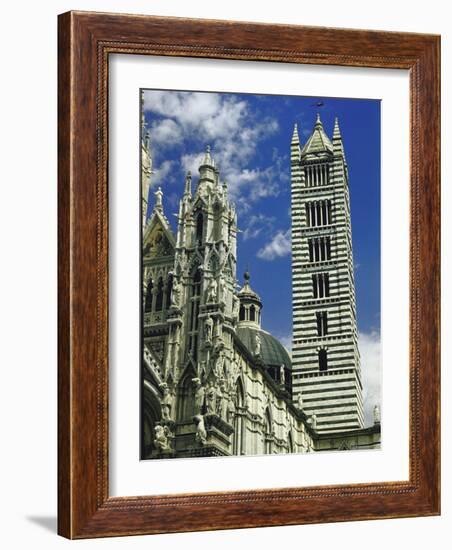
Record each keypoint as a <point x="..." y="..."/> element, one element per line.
<point x="260" y="260"/>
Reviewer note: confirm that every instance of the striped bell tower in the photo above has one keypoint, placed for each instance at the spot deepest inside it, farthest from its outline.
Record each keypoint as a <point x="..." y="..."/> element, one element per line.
<point x="325" y="355"/>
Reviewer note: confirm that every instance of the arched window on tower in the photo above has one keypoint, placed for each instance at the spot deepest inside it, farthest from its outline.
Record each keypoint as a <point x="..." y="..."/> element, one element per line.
<point x="242" y="313"/>
<point x="252" y="313"/>
<point x="323" y="360"/>
<point x="159" y="296"/>
<point x="199" y="227"/>
<point x="149" y="295"/>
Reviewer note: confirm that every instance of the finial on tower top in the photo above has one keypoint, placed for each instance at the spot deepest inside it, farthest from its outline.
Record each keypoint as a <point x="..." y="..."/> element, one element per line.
<point x="247" y="276"/>
<point x="318" y="122"/>
<point x="336" y="131"/>
<point x="295" y="137"/>
<point x="207" y="157"/>
<point x="158" y="199"/>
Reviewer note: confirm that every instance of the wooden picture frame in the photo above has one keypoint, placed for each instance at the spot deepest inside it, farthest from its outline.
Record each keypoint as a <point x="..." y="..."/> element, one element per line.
<point x="86" y="40"/>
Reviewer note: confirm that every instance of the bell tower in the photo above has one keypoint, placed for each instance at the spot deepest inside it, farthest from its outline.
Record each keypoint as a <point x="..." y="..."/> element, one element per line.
<point x="325" y="357"/>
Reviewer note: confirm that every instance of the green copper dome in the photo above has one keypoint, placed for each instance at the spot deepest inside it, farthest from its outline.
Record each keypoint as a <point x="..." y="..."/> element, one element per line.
<point x="272" y="353"/>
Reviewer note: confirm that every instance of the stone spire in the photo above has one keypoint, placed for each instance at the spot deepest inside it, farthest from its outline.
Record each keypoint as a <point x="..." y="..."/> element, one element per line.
<point x="187" y="190"/>
<point x="207" y="169"/>
<point x="318" y="143"/>
<point x="337" y="138"/>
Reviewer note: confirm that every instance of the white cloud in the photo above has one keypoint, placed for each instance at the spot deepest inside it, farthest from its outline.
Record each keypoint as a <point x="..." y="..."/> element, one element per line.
<point x="160" y="174"/>
<point x="370" y="350"/>
<point x="166" y="132"/>
<point x="225" y="123"/>
<point x="279" y="246"/>
<point x="257" y="223"/>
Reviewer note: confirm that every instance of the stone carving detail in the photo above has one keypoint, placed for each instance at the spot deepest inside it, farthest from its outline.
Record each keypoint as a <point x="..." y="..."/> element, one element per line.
<point x="300" y="401"/>
<point x="377" y="415"/>
<point x="313" y="421"/>
<point x="211" y="395"/>
<point x="161" y="440"/>
<point x="282" y="375"/>
<point x="176" y="293"/>
<point x="257" y="345"/>
<point x="208" y="329"/>
<point x="212" y="291"/>
<point x="167" y="402"/>
<point x="201" y="433"/>
<point x="199" y="395"/>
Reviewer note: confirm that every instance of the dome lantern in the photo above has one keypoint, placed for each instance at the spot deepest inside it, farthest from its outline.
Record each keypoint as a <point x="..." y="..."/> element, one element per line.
<point x="250" y="305"/>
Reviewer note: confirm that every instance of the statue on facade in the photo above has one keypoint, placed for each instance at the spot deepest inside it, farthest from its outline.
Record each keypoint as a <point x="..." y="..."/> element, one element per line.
<point x="176" y="292"/>
<point x="167" y="402"/>
<point x="257" y="345"/>
<point x="199" y="395"/>
<point x="235" y="308"/>
<point x="208" y="329"/>
<point x="161" y="440"/>
<point x="314" y="421"/>
<point x="218" y="369"/>
<point x="201" y="433"/>
<point x="377" y="415"/>
<point x="211" y="394"/>
<point x="212" y="289"/>
<point x="232" y="373"/>
<point x="299" y="401"/>
<point x="230" y="409"/>
<point x="282" y="375"/>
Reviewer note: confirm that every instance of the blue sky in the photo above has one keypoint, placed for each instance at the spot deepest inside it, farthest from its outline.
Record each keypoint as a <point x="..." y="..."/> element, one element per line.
<point x="250" y="140"/>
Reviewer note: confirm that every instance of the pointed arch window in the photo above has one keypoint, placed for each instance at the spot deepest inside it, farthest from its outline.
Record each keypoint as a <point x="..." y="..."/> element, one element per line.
<point x="322" y="323"/>
<point x="268" y="432"/>
<point x="242" y="313"/>
<point x="199" y="227"/>
<point x="194" y="312"/>
<point x="252" y="313"/>
<point x="149" y="296"/>
<point x="169" y="289"/>
<point x="239" y="436"/>
<point x="159" y="296"/>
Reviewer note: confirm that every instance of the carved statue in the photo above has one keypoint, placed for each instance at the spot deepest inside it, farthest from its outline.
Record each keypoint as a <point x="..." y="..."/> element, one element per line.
<point x="232" y="373"/>
<point x="176" y="293"/>
<point x="230" y="409"/>
<point x="282" y="375"/>
<point x="167" y="402"/>
<point x="235" y="308"/>
<point x="161" y="438"/>
<point x="208" y="329"/>
<point x="219" y="365"/>
<point x="201" y="433"/>
<point x="199" y="395"/>
<point x="300" y="401"/>
<point x="257" y="345"/>
<point x="377" y="416"/>
<point x="211" y="399"/>
<point x="211" y="294"/>
<point x="314" y="421"/>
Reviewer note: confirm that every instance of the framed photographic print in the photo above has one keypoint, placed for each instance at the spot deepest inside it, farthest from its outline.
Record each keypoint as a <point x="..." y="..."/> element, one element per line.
<point x="248" y="275"/>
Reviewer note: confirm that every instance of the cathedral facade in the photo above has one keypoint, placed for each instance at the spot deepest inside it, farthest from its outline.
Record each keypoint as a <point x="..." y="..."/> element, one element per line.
<point x="215" y="383"/>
